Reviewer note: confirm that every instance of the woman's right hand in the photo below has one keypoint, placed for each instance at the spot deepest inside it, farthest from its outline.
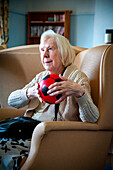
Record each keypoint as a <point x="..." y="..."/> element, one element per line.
<point x="33" y="92"/>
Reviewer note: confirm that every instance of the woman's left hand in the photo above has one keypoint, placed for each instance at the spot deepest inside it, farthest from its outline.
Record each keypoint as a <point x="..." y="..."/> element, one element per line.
<point x="67" y="88"/>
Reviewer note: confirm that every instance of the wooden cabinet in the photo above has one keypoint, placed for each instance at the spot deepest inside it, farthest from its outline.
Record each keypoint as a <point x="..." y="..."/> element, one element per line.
<point x="38" y="22"/>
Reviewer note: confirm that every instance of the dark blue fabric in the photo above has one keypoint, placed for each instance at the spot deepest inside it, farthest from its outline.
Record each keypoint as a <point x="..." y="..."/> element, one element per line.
<point x="108" y="167"/>
<point x="18" y="128"/>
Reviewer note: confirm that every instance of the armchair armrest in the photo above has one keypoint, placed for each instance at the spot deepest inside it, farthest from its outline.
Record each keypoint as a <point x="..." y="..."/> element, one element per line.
<point x="85" y="139"/>
<point x="10" y="113"/>
<point x="69" y="125"/>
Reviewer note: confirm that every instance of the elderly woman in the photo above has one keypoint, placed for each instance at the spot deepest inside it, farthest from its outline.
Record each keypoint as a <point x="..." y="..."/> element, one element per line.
<point x="57" y="57"/>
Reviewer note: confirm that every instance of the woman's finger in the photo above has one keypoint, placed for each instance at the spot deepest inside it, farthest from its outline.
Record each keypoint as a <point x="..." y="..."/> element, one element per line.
<point x="61" y="98"/>
<point x="63" y="78"/>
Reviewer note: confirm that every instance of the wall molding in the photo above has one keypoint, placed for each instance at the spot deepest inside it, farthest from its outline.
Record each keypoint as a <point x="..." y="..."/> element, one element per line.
<point x="17" y="13"/>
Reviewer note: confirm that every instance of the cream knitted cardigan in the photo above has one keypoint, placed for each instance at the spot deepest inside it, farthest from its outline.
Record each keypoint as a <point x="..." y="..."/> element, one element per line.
<point x="71" y="109"/>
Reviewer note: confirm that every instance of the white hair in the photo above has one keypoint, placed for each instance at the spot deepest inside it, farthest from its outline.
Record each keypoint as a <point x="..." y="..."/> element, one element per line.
<point x="64" y="47"/>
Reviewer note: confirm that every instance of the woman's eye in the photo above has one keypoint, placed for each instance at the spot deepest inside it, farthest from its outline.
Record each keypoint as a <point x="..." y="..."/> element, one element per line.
<point x="50" y="49"/>
<point x="42" y="49"/>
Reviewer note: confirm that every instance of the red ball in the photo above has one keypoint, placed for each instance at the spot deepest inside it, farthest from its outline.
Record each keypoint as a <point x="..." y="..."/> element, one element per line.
<point x="43" y="88"/>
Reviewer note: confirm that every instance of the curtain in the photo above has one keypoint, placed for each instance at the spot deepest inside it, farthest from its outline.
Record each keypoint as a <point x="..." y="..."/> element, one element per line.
<point x="4" y="22"/>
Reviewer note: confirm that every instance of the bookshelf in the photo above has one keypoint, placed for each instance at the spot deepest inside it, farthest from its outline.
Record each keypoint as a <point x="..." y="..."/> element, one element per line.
<point x="38" y="22"/>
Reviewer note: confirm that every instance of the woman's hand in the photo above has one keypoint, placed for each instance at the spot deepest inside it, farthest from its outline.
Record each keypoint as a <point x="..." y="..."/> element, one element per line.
<point x="33" y="92"/>
<point x="67" y="88"/>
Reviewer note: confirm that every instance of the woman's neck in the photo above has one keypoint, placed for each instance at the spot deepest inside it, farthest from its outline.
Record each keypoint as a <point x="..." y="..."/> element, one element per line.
<point x="59" y="71"/>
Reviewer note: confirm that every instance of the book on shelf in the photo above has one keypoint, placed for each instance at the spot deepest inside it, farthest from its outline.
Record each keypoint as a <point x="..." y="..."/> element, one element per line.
<point x="59" y="30"/>
<point x="59" y="17"/>
<point x="38" y="30"/>
<point x="62" y="17"/>
<point x="50" y="19"/>
<point x="55" y="18"/>
<point x="32" y="33"/>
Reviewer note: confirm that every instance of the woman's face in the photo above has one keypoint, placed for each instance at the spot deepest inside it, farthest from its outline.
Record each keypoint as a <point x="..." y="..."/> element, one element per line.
<point x="50" y="56"/>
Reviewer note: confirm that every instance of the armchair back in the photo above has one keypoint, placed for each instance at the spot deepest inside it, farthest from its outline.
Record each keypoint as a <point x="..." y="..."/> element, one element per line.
<point x="18" y="66"/>
<point x="97" y="63"/>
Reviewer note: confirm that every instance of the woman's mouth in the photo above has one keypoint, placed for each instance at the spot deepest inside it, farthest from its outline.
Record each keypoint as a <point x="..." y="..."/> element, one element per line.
<point x="47" y="62"/>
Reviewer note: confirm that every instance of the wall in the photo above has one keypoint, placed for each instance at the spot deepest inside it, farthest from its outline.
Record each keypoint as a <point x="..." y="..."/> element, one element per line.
<point x="81" y="17"/>
<point x="103" y="20"/>
<point x="77" y="6"/>
<point x="89" y="19"/>
<point x="81" y="30"/>
<point x="18" y="22"/>
<point x="17" y="29"/>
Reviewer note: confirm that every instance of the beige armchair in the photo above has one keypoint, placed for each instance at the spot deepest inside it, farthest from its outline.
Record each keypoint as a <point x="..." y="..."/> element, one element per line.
<point x="63" y="145"/>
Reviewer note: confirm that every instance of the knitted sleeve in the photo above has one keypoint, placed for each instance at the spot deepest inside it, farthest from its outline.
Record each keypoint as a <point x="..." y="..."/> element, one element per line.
<point x="18" y="98"/>
<point x="87" y="109"/>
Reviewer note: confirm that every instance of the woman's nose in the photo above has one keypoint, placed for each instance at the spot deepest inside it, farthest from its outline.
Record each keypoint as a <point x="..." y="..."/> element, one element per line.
<point x="46" y="53"/>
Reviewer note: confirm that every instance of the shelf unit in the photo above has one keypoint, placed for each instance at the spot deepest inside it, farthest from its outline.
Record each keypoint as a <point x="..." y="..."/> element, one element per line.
<point x="38" y="22"/>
